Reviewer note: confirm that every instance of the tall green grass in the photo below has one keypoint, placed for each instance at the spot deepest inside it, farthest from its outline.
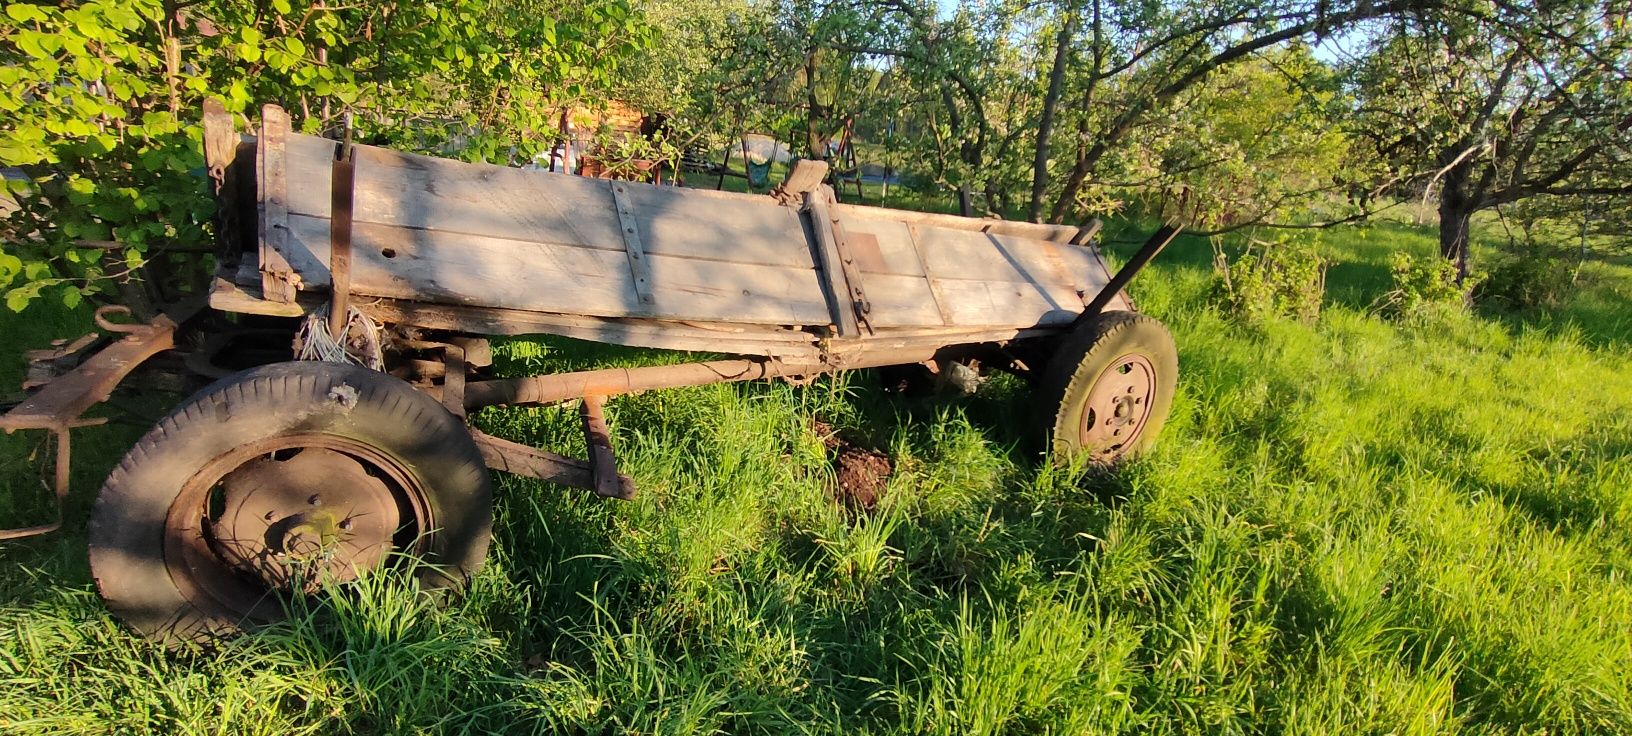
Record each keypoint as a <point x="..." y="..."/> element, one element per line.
<point x="1351" y="527"/>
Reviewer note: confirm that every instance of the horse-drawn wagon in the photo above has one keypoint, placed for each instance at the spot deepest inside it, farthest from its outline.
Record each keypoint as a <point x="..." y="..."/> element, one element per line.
<point x="390" y="270"/>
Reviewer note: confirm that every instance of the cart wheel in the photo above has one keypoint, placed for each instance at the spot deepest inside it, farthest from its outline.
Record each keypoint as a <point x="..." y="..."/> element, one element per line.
<point x="1111" y="385"/>
<point x="274" y="479"/>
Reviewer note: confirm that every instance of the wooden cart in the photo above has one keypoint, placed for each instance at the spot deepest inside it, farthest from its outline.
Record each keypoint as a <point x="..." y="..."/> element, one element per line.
<point x="396" y="267"/>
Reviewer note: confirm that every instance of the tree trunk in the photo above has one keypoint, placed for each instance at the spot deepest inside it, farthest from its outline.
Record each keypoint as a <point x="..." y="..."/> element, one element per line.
<point x="1045" y="125"/>
<point x="816" y="113"/>
<point x="1455" y="213"/>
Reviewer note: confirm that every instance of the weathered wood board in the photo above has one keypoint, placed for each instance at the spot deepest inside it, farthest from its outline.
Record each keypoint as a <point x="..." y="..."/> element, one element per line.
<point x="441" y="231"/>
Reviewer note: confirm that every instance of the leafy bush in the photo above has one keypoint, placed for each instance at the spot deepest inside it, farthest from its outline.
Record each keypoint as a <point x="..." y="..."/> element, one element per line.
<point x="1539" y="277"/>
<point x="1423" y="287"/>
<point x="1279" y="278"/>
<point x="97" y="97"/>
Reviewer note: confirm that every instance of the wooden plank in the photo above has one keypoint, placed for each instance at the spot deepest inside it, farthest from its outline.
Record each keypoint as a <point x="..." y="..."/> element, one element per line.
<point x="422" y="192"/>
<point x="673" y="222"/>
<point x="279" y="280"/>
<point x="972" y="303"/>
<point x="735" y="339"/>
<point x="929" y="281"/>
<point x="639" y="270"/>
<point x="1038" y="231"/>
<point x="226" y="296"/>
<point x="662" y="335"/>
<point x="426" y="265"/>
<point x="806" y="176"/>
<point x="902" y="302"/>
<point x="220" y="138"/>
<point x="894" y="247"/>
<point x="1063" y="275"/>
<point x="1000" y="259"/>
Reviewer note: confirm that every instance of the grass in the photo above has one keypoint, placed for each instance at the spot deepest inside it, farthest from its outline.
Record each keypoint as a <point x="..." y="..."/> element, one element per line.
<point x="1351" y="527"/>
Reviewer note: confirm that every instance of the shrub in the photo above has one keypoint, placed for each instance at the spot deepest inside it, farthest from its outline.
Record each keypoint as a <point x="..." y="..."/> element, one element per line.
<point x="1271" y="279"/>
<point x="1539" y="277"/>
<point x="1423" y="287"/>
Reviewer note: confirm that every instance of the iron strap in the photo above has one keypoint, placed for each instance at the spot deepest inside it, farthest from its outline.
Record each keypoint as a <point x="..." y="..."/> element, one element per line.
<point x="639" y="269"/>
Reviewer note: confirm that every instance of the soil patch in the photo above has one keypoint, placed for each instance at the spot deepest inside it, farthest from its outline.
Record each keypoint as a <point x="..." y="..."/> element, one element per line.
<point x="862" y="472"/>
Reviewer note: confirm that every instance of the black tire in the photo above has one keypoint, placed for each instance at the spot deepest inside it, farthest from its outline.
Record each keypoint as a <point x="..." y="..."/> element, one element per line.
<point x="154" y="568"/>
<point x="1082" y="388"/>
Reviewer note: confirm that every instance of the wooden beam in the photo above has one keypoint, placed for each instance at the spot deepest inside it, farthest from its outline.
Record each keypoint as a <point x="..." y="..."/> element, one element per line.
<point x="831" y="265"/>
<point x="278" y="281"/>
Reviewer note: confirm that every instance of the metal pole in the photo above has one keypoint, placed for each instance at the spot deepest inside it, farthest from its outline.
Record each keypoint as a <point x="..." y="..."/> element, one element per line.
<point x="1153" y="246"/>
<point x="614" y="381"/>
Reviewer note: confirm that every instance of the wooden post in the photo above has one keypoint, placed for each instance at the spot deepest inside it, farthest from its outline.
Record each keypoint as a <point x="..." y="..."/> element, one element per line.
<point x="279" y="282"/>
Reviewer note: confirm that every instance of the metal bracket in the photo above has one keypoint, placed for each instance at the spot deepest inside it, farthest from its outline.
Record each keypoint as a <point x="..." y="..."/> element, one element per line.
<point x="603" y="465"/>
<point x="341" y="180"/>
<point x="61" y="404"/>
<point x="638" y="267"/>
<point x="45" y="366"/>
<point x="519" y="459"/>
<point x="60" y="477"/>
<point x="453" y="379"/>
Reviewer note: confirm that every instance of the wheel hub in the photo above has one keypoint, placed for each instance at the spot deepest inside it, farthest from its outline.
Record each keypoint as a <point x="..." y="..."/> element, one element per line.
<point x="315" y="516"/>
<point x="1118" y="406"/>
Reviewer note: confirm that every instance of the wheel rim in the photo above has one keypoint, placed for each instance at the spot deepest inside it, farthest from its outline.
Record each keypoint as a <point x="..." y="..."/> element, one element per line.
<point x="286" y="515"/>
<point x="1118" y="407"/>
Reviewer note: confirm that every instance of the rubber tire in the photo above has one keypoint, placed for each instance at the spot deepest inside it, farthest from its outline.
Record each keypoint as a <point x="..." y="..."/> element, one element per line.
<point x="1083" y="356"/>
<point x="127" y="527"/>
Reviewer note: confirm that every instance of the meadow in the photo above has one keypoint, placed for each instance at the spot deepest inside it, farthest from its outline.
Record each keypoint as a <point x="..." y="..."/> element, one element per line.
<point x="1353" y="526"/>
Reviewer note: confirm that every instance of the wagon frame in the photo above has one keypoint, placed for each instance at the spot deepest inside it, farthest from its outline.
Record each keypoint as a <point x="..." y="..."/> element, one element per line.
<point x="289" y="247"/>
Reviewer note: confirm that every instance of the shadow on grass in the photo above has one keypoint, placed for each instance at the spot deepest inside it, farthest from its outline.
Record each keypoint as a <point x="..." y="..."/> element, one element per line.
<point x="1601" y="318"/>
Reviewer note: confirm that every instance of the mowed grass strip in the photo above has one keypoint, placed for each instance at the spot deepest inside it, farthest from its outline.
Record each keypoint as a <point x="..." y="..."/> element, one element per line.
<point x="1356" y="526"/>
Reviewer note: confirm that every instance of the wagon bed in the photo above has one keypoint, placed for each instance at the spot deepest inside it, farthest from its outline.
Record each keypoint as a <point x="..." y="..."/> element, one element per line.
<point x="495" y="250"/>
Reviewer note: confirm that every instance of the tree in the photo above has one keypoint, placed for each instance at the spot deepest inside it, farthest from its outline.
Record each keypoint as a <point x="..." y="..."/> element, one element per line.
<point x="1493" y="111"/>
<point x="1259" y="142"/>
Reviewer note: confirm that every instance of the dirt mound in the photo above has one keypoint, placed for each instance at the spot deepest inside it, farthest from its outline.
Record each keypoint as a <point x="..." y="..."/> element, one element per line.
<point x="861" y="472"/>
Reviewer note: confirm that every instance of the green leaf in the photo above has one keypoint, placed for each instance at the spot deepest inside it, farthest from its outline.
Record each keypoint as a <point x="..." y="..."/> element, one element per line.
<point x="71" y="296"/>
<point x="23" y="12"/>
<point x="10" y="266"/>
<point x="17" y="299"/>
<point x="29" y="42"/>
